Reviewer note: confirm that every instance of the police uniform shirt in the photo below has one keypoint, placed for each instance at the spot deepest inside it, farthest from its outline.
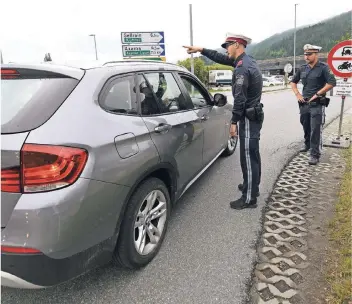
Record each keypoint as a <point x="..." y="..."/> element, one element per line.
<point x="247" y="82"/>
<point x="314" y="79"/>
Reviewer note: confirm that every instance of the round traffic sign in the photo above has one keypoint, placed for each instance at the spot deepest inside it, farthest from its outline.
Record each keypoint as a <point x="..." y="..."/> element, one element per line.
<point x="288" y="68"/>
<point x="340" y="59"/>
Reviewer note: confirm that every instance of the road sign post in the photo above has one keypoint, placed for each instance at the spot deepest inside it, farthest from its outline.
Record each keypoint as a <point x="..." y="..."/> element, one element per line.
<point x="287" y="70"/>
<point x="143" y="45"/>
<point x="340" y="62"/>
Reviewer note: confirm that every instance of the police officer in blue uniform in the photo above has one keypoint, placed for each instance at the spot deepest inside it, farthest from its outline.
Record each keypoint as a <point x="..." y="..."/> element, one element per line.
<point x="317" y="79"/>
<point x="247" y="113"/>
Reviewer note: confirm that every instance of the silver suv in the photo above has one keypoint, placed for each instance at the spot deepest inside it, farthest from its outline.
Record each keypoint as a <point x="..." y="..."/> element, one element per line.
<point x="93" y="160"/>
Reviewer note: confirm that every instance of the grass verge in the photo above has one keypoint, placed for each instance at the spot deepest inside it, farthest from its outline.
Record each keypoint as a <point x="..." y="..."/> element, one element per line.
<point x="339" y="274"/>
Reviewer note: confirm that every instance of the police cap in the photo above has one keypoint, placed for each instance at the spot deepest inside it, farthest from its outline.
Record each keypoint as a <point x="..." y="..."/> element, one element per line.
<point x="232" y="38"/>
<point x="309" y="48"/>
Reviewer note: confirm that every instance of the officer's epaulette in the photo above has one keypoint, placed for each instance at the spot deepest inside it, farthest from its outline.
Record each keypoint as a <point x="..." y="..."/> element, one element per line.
<point x="239" y="63"/>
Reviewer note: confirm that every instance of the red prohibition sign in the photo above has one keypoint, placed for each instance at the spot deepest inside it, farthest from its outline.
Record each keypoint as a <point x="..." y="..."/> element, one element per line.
<point x="340" y="59"/>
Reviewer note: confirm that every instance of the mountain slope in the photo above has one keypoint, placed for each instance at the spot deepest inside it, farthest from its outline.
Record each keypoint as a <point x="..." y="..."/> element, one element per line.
<point x="324" y="34"/>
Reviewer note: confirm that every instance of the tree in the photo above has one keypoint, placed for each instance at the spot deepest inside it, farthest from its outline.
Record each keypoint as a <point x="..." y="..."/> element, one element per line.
<point x="200" y="69"/>
<point x="346" y="36"/>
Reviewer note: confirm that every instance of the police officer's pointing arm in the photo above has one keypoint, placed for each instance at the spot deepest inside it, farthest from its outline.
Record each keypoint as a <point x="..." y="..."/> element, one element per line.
<point x="218" y="57"/>
<point x="211" y="54"/>
<point x="240" y="93"/>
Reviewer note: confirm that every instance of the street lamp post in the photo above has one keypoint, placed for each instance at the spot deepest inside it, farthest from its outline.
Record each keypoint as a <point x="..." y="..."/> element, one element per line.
<point x="294" y="45"/>
<point x="95" y="45"/>
<point x="191" y="34"/>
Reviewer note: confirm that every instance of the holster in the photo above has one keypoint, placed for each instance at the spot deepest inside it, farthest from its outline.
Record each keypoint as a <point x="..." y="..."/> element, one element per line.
<point x="324" y="101"/>
<point x="255" y="113"/>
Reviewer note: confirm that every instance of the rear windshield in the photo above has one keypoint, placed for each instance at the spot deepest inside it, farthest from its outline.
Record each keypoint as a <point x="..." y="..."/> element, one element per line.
<point x="28" y="102"/>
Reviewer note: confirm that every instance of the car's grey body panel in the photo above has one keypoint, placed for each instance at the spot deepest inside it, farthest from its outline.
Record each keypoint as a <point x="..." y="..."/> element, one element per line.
<point x="64" y="222"/>
<point x="122" y="151"/>
<point x="11" y="145"/>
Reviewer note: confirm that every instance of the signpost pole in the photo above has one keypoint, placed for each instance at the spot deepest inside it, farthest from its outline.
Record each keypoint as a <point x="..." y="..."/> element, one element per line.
<point x="341" y="116"/>
<point x="294" y="45"/>
<point x="339" y="135"/>
<point x="191" y="32"/>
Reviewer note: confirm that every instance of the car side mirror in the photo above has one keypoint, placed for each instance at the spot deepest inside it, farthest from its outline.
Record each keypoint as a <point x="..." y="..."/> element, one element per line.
<point x="220" y="100"/>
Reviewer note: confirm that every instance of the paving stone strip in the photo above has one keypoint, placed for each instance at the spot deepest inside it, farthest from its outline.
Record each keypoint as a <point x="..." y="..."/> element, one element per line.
<point x="301" y="193"/>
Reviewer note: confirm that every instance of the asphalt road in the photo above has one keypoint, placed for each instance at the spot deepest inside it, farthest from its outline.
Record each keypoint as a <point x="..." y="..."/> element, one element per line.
<point x="209" y="250"/>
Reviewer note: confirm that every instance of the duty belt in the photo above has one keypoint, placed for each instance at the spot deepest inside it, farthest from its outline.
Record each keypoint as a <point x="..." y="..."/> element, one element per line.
<point x="255" y="113"/>
<point x="318" y="101"/>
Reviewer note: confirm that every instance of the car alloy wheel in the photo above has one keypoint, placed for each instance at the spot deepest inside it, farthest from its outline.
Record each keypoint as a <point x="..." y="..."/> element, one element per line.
<point x="231" y="144"/>
<point x="150" y="222"/>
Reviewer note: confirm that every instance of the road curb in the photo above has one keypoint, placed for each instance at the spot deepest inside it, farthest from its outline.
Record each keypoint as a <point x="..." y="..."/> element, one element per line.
<point x="301" y="191"/>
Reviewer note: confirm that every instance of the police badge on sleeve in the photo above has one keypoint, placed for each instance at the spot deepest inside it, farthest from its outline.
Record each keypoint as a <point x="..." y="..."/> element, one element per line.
<point x="239" y="80"/>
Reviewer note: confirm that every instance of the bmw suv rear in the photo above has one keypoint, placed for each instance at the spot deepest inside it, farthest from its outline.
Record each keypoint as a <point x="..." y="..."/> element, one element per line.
<point x="89" y="170"/>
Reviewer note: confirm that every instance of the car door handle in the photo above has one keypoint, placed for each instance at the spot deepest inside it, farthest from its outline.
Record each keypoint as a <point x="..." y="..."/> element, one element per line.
<point x="162" y="128"/>
<point x="204" y="118"/>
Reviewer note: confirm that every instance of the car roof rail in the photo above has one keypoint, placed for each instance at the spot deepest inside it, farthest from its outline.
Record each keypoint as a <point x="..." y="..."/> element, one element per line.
<point x="142" y="60"/>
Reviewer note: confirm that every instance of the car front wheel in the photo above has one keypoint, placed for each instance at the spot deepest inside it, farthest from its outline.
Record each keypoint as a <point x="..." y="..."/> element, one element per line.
<point x="231" y="146"/>
<point x="144" y="225"/>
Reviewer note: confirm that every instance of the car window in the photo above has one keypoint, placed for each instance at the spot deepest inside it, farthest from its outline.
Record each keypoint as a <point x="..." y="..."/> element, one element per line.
<point x="166" y="91"/>
<point x="149" y="104"/>
<point x="198" y="96"/>
<point x="121" y="96"/>
<point x="29" y="100"/>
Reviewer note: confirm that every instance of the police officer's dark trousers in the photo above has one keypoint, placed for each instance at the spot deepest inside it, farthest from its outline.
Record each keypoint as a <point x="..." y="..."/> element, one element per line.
<point x="312" y="118"/>
<point x="249" y="134"/>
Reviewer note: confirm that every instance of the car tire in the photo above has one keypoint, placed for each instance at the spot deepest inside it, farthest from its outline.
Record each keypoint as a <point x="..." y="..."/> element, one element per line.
<point x="126" y="253"/>
<point x="231" y="147"/>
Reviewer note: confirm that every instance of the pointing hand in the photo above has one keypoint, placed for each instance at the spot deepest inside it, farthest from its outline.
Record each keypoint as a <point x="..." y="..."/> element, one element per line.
<point x="193" y="49"/>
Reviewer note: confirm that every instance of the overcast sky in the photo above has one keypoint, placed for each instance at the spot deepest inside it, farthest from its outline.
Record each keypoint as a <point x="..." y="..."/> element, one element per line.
<point x="29" y="29"/>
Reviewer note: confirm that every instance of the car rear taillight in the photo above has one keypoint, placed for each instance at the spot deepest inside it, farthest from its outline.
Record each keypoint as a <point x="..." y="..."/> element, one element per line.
<point x="18" y="250"/>
<point x="44" y="168"/>
<point x="11" y="180"/>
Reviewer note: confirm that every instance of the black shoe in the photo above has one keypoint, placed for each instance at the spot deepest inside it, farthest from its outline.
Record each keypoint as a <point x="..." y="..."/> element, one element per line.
<point x="304" y="149"/>
<point x="241" y="204"/>
<point x="240" y="187"/>
<point x="313" y="160"/>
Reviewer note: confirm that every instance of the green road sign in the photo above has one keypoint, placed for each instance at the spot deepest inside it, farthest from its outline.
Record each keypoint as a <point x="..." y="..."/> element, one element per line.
<point x="142" y="37"/>
<point x="143" y="50"/>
